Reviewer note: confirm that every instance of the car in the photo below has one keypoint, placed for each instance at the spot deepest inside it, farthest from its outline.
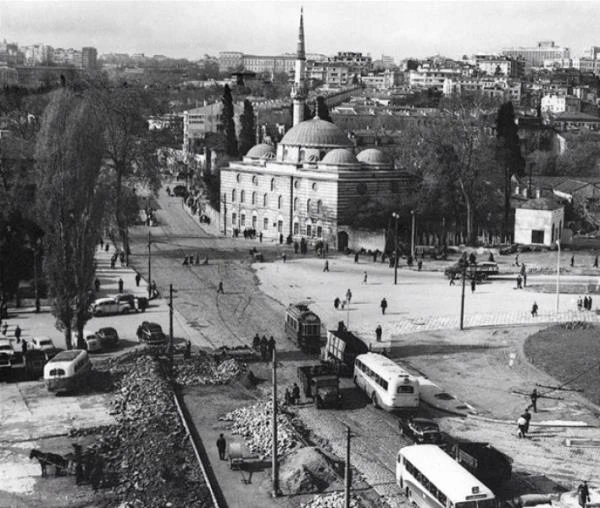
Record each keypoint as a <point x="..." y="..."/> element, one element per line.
<point x="108" y="337"/>
<point x="127" y="298"/>
<point x="151" y="334"/>
<point x="422" y="430"/>
<point x="43" y="343"/>
<point x="92" y="342"/>
<point x="107" y="306"/>
<point x="180" y="191"/>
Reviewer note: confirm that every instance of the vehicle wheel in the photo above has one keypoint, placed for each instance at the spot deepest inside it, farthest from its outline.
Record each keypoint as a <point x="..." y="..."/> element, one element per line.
<point x="125" y="310"/>
<point x="374" y="400"/>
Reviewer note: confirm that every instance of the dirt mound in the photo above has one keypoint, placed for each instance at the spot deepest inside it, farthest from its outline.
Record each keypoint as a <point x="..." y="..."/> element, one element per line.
<point x="305" y="470"/>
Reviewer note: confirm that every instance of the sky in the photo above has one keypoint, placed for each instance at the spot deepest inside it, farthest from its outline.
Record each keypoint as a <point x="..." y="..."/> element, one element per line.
<point x="397" y="28"/>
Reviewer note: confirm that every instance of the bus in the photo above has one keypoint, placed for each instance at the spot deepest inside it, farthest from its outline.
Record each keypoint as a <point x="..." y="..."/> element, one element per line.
<point x="67" y="371"/>
<point x="303" y="327"/>
<point x="431" y="478"/>
<point x="387" y="384"/>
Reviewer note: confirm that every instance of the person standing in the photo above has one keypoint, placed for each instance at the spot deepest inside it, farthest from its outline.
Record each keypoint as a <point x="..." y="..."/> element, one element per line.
<point x="336" y="303"/>
<point x="572" y="261"/>
<point x="256" y="343"/>
<point x="521" y="423"/>
<point x="220" y="288"/>
<point x="356" y="257"/>
<point x="295" y="394"/>
<point x="420" y="265"/>
<point x="138" y="278"/>
<point x="260" y="237"/>
<point x="271" y="347"/>
<point x="383" y="305"/>
<point x="120" y="285"/>
<point x="348" y="295"/>
<point x="589" y="303"/>
<point x="326" y="267"/>
<point x="579" y="303"/>
<point x="18" y="333"/>
<point x="364" y="278"/>
<point x="524" y="274"/>
<point x="473" y="285"/>
<point x="596" y="261"/>
<point x="97" y="285"/>
<point x="264" y="346"/>
<point x="527" y="415"/>
<point x="378" y="332"/>
<point x="221" y="446"/>
<point x="519" y="282"/>
<point x="583" y="494"/>
<point x="534" y="397"/>
<point x="534" y="309"/>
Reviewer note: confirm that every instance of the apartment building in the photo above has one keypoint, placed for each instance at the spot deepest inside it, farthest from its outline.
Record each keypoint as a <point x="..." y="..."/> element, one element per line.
<point x="534" y="57"/>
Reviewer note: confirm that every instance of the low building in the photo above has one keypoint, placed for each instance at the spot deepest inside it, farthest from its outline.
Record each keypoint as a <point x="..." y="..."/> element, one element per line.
<point x="539" y="221"/>
<point x="382" y="80"/>
<point x="506" y="66"/>
<point x="575" y="121"/>
<point x="554" y="103"/>
<point x="494" y="88"/>
<point x="199" y="122"/>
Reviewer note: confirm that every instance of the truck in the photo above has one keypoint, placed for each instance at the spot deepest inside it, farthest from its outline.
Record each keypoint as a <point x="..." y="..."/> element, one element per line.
<point x="16" y="365"/>
<point x="342" y="348"/>
<point x="321" y="383"/>
<point x="486" y="463"/>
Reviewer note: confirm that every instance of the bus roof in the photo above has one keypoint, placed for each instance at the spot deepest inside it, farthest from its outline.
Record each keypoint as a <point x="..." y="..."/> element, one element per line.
<point x="444" y="472"/>
<point x="67" y="356"/>
<point x="383" y="364"/>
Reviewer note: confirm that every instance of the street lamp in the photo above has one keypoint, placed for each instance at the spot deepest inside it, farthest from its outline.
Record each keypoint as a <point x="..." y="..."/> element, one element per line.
<point x="36" y="249"/>
<point x="412" y="235"/>
<point x="396" y="217"/>
<point x="557" y="276"/>
<point x="149" y="265"/>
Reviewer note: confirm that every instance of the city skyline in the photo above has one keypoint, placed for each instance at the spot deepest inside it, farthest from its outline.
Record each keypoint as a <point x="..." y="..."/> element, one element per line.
<point x="400" y="29"/>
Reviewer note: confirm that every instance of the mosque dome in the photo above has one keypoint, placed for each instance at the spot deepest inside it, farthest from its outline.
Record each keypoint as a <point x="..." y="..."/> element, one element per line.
<point x="374" y="157"/>
<point x="316" y="133"/>
<point x="339" y="156"/>
<point x="261" y="151"/>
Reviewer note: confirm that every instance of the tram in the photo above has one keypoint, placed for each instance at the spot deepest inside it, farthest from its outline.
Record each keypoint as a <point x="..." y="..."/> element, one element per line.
<point x="303" y="327"/>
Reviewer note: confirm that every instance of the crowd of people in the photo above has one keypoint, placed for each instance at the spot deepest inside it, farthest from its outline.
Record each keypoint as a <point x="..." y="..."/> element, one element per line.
<point x="264" y="346"/>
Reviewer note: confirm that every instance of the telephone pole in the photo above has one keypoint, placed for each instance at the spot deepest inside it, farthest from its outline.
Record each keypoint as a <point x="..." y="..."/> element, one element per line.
<point x="149" y="266"/>
<point x="462" y="297"/>
<point x="347" y="479"/>
<point x="274" y="467"/>
<point x="171" y="319"/>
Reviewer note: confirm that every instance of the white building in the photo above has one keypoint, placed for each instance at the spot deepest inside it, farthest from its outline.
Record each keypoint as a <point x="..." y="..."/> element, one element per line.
<point x="539" y="221"/>
<point x="198" y="122"/>
<point x="431" y="78"/>
<point x="555" y="103"/>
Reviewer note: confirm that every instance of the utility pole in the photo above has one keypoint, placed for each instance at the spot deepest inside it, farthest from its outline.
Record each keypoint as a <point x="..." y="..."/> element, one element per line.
<point x="462" y="297"/>
<point x="35" y="276"/>
<point x="149" y="266"/>
<point x="412" y="235"/>
<point x="274" y="467"/>
<point x="171" y="319"/>
<point x="347" y="479"/>
<point x="396" y="217"/>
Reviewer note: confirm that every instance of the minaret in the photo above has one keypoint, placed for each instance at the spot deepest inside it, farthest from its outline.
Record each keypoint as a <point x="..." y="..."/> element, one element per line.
<point x="299" y="88"/>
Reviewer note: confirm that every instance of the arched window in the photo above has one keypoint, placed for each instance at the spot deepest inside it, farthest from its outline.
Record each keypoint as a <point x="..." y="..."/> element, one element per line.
<point x="233" y="195"/>
<point x="295" y="204"/>
<point x="279" y="202"/>
<point x="237" y="178"/>
<point x="265" y="199"/>
<point x="319" y="203"/>
<point x="254" y="198"/>
<point x="272" y="184"/>
<point x="308" y="206"/>
<point x="242" y="196"/>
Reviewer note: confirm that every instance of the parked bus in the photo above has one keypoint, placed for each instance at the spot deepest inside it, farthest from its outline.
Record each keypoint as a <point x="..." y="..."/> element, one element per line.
<point x="67" y="371"/>
<point x="386" y="383"/>
<point x="303" y="327"/>
<point x="430" y="478"/>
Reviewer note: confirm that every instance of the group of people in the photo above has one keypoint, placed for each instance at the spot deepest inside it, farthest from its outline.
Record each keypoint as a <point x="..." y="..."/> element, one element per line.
<point x="189" y="260"/>
<point x="266" y="347"/>
<point x="292" y="397"/>
<point x="584" y="303"/>
<point x="337" y="303"/>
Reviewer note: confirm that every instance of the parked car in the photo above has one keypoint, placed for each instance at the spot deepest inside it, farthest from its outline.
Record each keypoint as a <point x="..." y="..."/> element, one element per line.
<point x="151" y="334"/>
<point x="43" y="343"/>
<point x="180" y="191"/>
<point x="127" y="298"/>
<point x="107" y="306"/>
<point x="422" y="430"/>
<point x="108" y="337"/>
<point x="92" y="342"/>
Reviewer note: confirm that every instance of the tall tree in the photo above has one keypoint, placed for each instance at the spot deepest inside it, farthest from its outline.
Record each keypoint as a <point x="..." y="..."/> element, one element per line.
<point x="231" y="145"/>
<point x="248" y="131"/>
<point x="323" y="110"/>
<point x="69" y="203"/>
<point x="508" y="153"/>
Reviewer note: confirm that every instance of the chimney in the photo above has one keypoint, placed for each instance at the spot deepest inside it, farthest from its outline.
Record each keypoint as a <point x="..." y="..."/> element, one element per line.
<point x="524" y="192"/>
<point x="537" y="193"/>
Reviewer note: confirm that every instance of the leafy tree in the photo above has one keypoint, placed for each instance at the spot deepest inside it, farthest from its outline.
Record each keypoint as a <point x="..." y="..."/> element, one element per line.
<point x="231" y="145"/>
<point x="323" y="110"/>
<point x="508" y="153"/>
<point x="248" y="131"/>
<point x="69" y="203"/>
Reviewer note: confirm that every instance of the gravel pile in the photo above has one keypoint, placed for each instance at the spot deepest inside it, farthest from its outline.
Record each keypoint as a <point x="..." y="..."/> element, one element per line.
<point x="335" y="500"/>
<point x="253" y="423"/>
<point x="200" y="369"/>
<point x="148" y="460"/>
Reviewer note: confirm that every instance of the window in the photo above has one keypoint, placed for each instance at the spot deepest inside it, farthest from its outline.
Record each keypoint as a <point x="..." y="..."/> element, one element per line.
<point x="254" y="220"/>
<point x="297" y="184"/>
<point x="279" y="202"/>
<point x="272" y="184"/>
<point x="254" y="198"/>
<point x="296" y="228"/>
<point x="308" y="230"/>
<point x="242" y="196"/>
<point x="242" y="219"/>
<point x="295" y="204"/>
<point x="319" y="203"/>
<point x="280" y="226"/>
<point x="265" y="199"/>
<point x="233" y="219"/>
<point x="308" y="206"/>
<point x="266" y="223"/>
<point x="314" y="186"/>
<point x="406" y="389"/>
<point x="537" y="236"/>
<point x="238" y="178"/>
<point x="319" y="231"/>
<point x="255" y="180"/>
<point x="233" y="195"/>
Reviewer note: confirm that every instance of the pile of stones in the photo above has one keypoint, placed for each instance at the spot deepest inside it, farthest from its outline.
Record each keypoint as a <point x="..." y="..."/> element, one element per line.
<point x="253" y="423"/>
<point x="335" y="500"/>
<point x="200" y="369"/>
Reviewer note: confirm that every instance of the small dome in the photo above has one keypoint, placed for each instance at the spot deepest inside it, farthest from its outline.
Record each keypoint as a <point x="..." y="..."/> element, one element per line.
<point x="339" y="156"/>
<point x="260" y="151"/>
<point x="373" y="156"/>
<point x="316" y="133"/>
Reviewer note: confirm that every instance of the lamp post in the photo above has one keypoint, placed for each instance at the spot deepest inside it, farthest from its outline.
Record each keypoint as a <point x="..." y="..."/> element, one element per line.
<point x="412" y="234"/>
<point x="557" y="276"/>
<point x="36" y="249"/>
<point x="396" y="217"/>
<point x="149" y="266"/>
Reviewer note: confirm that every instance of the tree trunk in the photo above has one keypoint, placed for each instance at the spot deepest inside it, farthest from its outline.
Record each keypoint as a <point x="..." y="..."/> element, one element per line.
<point x="68" y="337"/>
<point x="507" y="190"/>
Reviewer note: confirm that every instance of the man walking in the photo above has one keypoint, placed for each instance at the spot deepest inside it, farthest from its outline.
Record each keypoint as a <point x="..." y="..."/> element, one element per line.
<point x="138" y="278"/>
<point x="348" y="295"/>
<point x="534" y="397"/>
<point x="572" y="261"/>
<point x="220" y="288"/>
<point x="221" y="446"/>
<point x="326" y="267"/>
<point x="524" y="274"/>
<point x="364" y="278"/>
<point x="583" y="494"/>
<point x="18" y="333"/>
<point x="383" y="305"/>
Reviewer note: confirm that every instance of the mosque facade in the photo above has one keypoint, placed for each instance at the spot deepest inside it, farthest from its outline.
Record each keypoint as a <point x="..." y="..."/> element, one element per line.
<point x="309" y="185"/>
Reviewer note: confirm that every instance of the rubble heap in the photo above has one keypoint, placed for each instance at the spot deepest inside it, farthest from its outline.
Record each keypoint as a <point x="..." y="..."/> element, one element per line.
<point x="147" y="456"/>
<point x="305" y="470"/>
<point x="201" y="369"/>
<point x="335" y="500"/>
<point x="253" y="423"/>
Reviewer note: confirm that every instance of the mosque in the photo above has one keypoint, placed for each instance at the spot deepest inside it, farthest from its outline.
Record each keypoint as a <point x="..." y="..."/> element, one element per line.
<point x="310" y="184"/>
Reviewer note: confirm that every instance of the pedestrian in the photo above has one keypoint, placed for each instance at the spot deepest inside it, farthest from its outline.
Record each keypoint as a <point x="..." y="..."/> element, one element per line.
<point x="583" y="494"/>
<point x="256" y="342"/>
<point x="521" y="423"/>
<point x="260" y="237"/>
<point x="596" y="261"/>
<point x="280" y="238"/>
<point x="4" y="328"/>
<point x="348" y="295"/>
<point x="572" y="261"/>
<point x="97" y="285"/>
<point x="491" y="257"/>
<point x="120" y="285"/>
<point x="364" y="278"/>
<point x="517" y="260"/>
<point x="534" y="309"/>
<point x="579" y="303"/>
<point x="419" y="265"/>
<point x="122" y="257"/>
<point x="585" y="303"/>
<point x="264" y="345"/>
<point x="283" y="257"/>
<point x="336" y="303"/>
<point x="187" y="353"/>
<point x="295" y="393"/>
<point x="271" y="347"/>
<point x="452" y="277"/>
<point x="534" y="397"/>
<point x="18" y="333"/>
<point x="519" y="282"/>
<point x="356" y="257"/>
<point x="24" y="347"/>
<point x="527" y="415"/>
<point x="473" y="285"/>
<point x="153" y="289"/>
<point x="220" y="288"/>
<point x="106" y="247"/>
<point x="383" y="305"/>
<point x="138" y="278"/>
<point x="326" y="267"/>
<point x="378" y="333"/>
<point x="221" y="446"/>
<point x="288" y="397"/>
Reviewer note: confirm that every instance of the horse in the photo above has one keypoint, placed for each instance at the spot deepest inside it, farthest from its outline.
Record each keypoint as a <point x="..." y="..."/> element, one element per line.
<point x="46" y="459"/>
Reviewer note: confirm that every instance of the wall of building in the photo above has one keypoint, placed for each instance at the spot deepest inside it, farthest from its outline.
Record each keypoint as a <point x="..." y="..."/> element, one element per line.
<point x="362" y="239"/>
<point x="549" y="221"/>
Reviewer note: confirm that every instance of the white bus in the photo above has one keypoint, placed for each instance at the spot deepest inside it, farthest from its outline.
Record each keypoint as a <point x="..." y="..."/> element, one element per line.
<point x="386" y="383"/>
<point x="430" y="478"/>
<point x="67" y="371"/>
